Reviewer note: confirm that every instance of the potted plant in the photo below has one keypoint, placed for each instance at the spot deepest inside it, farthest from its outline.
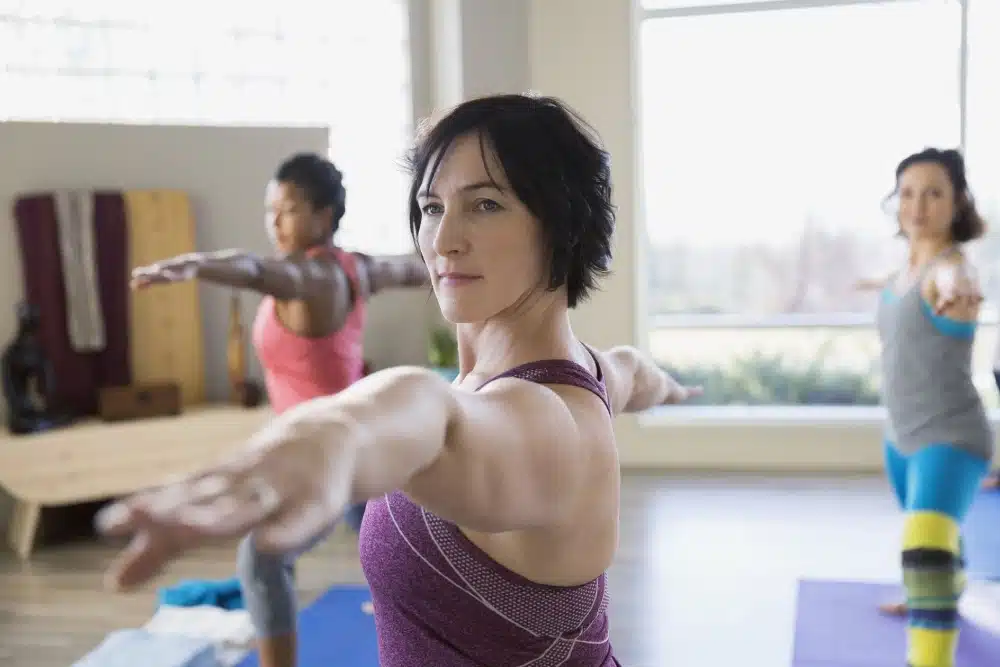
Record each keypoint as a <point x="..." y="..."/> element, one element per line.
<point x="442" y="353"/>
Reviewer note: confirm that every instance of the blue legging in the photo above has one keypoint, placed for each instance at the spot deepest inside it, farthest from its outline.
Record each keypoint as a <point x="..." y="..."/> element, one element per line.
<point x="936" y="487"/>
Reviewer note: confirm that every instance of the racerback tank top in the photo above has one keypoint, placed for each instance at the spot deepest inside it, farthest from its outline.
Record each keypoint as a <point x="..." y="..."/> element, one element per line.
<point x="299" y="368"/>
<point x="440" y="600"/>
<point x="927" y="382"/>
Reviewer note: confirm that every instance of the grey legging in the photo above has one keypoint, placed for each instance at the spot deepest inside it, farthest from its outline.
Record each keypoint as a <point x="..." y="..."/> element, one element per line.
<point x="268" y="582"/>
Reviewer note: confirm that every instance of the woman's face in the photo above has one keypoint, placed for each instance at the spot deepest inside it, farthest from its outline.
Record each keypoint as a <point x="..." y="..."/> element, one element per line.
<point x="926" y="202"/>
<point x="292" y="223"/>
<point x="482" y="246"/>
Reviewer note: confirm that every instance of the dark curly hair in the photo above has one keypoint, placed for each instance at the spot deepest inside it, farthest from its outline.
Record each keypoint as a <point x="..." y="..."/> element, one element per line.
<point x="555" y="165"/>
<point x="967" y="225"/>
<point x="320" y="181"/>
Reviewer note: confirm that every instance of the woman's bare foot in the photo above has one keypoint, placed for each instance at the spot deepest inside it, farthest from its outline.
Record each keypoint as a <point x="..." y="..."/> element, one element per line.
<point x="893" y="608"/>
<point x="992" y="482"/>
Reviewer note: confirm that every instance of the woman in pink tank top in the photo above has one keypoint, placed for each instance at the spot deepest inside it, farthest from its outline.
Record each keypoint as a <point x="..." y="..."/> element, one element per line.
<point x="307" y="335"/>
<point x="493" y="501"/>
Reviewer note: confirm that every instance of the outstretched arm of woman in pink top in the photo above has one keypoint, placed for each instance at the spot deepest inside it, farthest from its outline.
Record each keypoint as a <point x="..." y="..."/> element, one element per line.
<point x="515" y="455"/>
<point x="319" y="279"/>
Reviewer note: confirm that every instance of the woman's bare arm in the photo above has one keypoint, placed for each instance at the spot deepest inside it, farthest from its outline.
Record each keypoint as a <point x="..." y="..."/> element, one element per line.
<point x="320" y="281"/>
<point x="636" y="383"/>
<point x="392" y="271"/>
<point x="505" y="458"/>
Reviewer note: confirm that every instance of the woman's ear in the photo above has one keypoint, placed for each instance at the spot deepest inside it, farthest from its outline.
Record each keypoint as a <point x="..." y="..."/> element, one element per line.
<point x="323" y="223"/>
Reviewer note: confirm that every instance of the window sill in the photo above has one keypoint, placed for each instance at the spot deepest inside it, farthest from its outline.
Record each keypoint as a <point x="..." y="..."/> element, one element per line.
<point x="769" y="416"/>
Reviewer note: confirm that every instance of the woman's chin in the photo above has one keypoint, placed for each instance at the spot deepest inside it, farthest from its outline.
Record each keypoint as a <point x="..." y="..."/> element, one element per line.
<point x="460" y="313"/>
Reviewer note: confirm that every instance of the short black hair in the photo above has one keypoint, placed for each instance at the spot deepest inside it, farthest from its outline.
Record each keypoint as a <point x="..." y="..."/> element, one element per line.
<point x="967" y="225"/>
<point x="320" y="180"/>
<point x="555" y="165"/>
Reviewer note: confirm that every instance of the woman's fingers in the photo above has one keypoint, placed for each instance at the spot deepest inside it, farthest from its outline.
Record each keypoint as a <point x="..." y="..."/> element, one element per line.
<point x="139" y="562"/>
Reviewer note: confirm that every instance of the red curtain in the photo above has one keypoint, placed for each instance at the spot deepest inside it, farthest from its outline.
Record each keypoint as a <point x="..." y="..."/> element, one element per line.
<point x="78" y="376"/>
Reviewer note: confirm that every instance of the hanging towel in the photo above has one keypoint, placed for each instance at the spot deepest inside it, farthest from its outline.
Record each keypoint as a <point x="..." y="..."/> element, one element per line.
<point x="75" y="217"/>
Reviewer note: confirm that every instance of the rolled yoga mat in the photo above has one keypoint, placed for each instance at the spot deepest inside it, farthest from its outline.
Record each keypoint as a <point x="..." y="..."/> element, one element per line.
<point x="981" y="534"/>
<point x="838" y="625"/>
<point x="337" y="630"/>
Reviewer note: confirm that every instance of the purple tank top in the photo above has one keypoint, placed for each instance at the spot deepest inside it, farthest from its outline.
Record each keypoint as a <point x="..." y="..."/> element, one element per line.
<point x="440" y="600"/>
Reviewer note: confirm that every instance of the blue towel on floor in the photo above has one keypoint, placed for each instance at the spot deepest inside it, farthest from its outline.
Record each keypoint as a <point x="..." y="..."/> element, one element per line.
<point x="225" y="594"/>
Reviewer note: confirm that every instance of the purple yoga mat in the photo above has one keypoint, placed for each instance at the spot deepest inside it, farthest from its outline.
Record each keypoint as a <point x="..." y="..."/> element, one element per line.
<point x="838" y="625"/>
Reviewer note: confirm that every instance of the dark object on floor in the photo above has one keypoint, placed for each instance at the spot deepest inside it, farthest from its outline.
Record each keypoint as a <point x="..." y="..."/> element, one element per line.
<point x="28" y="380"/>
<point x="140" y="402"/>
<point x="250" y="394"/>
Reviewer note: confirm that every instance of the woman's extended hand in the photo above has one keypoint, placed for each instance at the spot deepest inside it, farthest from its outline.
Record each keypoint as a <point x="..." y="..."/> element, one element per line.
<point x="678" y="393"/>
<point x="957" y="288"/>
<point x="287" y="486"/>
<point x="173" y="270"/>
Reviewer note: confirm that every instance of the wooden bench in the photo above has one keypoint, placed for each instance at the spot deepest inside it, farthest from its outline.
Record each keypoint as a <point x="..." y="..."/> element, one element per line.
<point x="95" y="460"/>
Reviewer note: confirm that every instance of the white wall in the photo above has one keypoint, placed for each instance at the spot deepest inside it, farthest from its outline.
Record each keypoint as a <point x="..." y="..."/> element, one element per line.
<point x="224" y="169"/>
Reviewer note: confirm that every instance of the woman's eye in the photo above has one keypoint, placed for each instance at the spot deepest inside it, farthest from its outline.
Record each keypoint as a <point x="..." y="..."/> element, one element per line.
<point x="431" y="209"/>
<point x="487" y="205"/>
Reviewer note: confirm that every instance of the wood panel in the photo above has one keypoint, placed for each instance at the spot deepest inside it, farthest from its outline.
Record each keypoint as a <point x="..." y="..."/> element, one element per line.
<point x="165" y="321"/>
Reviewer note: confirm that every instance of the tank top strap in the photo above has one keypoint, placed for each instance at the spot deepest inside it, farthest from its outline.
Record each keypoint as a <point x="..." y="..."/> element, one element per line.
<point x="560" y="371"/>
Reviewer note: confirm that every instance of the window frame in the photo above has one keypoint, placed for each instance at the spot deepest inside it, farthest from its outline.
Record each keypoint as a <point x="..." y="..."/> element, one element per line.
<point x="776" y="415"/>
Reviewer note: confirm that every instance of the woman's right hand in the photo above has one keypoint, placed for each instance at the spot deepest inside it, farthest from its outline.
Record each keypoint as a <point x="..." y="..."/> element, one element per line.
<point x="173" y="270"/>
<point x="287" y="485"/>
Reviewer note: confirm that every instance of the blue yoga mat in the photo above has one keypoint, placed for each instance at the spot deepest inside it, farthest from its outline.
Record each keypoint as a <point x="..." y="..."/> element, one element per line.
<point x="981" y="532"/>
<point x="335" y="631"/>
<point x="838" y="625"/>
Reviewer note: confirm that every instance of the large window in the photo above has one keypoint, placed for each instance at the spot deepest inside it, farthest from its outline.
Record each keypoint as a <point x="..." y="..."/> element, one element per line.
<point x="340" y="64"/>
<point x="770" y="135"/>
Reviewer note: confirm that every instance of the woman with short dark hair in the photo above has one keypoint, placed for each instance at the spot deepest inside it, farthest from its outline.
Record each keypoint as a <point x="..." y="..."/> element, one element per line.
<point x="493" y="501"/>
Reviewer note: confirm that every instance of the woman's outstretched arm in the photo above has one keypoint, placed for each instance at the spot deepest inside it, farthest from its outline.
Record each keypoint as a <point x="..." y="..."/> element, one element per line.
<point x="505" y="458"/>
<point x="636" y="383"/>
<point x="320" y="281"/>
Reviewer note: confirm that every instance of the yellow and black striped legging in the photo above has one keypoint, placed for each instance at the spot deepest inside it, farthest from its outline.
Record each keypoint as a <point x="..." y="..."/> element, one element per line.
<point x="936" y="487"/>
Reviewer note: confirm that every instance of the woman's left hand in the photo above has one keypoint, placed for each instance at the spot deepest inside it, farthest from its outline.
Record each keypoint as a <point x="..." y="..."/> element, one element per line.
<point x="957" y="289"/>
<point x="174" y="270"/>
<point x="679" y="393"/>
<point x="286" y="487"/>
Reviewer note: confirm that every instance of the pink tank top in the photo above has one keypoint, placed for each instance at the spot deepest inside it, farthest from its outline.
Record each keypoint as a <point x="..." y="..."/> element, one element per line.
<point x="299" y="368"/>
<point x="440" y="600"/>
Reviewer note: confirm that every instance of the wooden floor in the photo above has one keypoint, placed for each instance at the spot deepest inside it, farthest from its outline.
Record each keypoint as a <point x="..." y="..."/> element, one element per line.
<point x="705" y="574"/>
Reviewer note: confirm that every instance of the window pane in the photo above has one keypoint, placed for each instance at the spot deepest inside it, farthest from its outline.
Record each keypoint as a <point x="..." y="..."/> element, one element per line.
<point x="791" y="366"/>
<point x="768" y="146"/>
<point x="983" y="136"/>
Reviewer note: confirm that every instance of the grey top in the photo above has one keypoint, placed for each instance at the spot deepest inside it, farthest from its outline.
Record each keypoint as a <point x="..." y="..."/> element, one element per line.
<point x="927" y="375"/>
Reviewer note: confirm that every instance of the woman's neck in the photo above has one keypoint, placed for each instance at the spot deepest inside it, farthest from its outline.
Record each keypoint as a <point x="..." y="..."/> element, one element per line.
<point x="923" y="251"/>
<point x="540" y="330"/>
